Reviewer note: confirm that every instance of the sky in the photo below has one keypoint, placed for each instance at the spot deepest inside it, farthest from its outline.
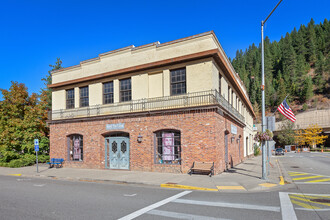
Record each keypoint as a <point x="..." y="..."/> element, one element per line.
<point x="33" y="34"/>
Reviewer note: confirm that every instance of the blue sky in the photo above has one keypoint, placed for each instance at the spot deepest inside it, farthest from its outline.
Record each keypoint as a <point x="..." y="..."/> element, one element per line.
<point x="34" y="33"/>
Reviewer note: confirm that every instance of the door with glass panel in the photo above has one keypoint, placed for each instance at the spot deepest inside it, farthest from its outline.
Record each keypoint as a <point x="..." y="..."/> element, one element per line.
<point x="117" y="153"/>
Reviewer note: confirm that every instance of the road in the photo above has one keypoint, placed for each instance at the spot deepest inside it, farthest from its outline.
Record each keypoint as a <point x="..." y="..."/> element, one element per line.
<point x="33" y="198"/>
<point x="310" y="174"/>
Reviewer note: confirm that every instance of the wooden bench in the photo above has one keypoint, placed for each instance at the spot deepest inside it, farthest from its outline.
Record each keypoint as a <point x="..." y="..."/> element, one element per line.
<point x="202" y="168"/>
<point x="57" y="162"/>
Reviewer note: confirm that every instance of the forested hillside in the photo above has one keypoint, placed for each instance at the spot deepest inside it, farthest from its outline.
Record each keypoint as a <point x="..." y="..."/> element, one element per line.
<point x="298" y="65"/>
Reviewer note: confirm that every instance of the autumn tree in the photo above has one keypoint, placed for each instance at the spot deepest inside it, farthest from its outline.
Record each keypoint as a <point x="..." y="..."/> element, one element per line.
<point x="299" y="137"/>
<point x="20" y="123"/>
<point x="312" y="135"/>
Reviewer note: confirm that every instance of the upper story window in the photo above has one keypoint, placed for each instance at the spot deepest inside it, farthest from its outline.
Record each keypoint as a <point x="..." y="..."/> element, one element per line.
<point x="125" y="90"/>
<point x="220" y="77"/>
<point x="70" y="98"/>
<point x="229" y="94"/>
<point x="107" y="92"/>
<point x="178" y="81"/>
<point x="84" y="99"/>
<point x="232" y="98"/>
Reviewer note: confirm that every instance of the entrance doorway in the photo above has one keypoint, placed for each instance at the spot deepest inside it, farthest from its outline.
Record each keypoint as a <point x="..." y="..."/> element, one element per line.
<point x="117" y="152"/>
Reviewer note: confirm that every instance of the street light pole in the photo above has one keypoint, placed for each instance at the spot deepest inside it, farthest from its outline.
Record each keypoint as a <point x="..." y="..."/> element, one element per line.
<point x="263" y="122"/>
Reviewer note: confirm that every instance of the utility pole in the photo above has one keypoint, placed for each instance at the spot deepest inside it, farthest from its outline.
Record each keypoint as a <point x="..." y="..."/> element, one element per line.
<point x="263" y="123"/>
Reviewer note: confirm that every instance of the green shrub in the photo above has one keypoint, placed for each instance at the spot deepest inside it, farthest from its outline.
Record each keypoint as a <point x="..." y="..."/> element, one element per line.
<point x="15" y="163"/>
<point x="43" y="158"/>
<point x="24" y="160"/>
<point x="256" y="150"/>
<point x="304" y="107"/>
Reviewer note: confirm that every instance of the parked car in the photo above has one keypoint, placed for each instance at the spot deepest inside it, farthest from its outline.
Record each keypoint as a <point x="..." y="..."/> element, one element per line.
<point x="279" y="151"/>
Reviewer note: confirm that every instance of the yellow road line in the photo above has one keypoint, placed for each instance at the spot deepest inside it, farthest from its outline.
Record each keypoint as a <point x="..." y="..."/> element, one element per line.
<point x="15" y="174"/>
<point x="309" y="201"/>
<point x="299" y="174"/>
<point x="231" y="187"/>
<point x="268" y="184"/>
<point x="304" y="205"/>
<point x="316" y="181"/>
<point x="305" y="178"/>
<point x="186" y="187"/>
<point x="311" y="197"/>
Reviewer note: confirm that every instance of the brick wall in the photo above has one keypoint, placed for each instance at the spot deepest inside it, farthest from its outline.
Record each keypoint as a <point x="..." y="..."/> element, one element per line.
<point x="202" y="139"/>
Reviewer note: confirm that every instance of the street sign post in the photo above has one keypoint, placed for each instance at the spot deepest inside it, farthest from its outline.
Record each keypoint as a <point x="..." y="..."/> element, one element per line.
<point x="36" y="149"/>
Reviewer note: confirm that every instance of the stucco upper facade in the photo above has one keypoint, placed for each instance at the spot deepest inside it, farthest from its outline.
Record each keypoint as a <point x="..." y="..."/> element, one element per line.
<point x="148" y="67"/>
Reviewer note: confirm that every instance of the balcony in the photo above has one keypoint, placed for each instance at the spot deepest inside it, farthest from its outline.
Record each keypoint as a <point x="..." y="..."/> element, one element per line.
<point x="211" y="97"/>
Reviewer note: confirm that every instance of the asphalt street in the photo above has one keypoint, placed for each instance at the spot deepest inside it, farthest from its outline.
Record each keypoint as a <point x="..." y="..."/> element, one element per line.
<point x="33" y="198"/>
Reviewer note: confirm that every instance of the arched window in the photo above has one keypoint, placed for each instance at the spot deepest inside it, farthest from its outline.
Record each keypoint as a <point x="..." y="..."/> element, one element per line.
<point x="75" y="147"/>
<point x="168" y="147"/>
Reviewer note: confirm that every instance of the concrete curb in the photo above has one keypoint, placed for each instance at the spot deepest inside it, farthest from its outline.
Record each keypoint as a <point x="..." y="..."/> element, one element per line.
<point x="285" y="176"/>
<point x="176" y="186"/>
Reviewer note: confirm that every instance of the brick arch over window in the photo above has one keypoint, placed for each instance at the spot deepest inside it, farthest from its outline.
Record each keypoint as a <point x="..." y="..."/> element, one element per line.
<point x="167" y="146"/>
<point x="75" y="145"/>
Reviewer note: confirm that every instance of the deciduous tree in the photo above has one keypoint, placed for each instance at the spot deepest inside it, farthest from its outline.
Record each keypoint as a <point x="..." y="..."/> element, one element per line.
<point x="312" y="135"/>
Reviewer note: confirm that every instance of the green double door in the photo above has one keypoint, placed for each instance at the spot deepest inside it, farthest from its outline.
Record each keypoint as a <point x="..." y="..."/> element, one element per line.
<point x="117" y="153"/>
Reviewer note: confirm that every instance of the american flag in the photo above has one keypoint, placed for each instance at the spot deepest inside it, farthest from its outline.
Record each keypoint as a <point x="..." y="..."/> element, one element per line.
<point x="285" y="109"/>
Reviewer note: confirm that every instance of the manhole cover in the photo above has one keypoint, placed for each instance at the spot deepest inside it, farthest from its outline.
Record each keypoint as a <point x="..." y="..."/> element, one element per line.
<point x="321" y="200"/>
<point x="295" y="167"/>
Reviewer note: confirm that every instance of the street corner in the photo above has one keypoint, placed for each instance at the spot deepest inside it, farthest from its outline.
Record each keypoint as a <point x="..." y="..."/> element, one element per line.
<point x="187" y="187"/>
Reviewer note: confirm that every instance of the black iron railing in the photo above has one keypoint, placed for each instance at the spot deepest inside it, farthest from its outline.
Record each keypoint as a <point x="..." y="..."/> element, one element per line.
<point x="150" y="104"/>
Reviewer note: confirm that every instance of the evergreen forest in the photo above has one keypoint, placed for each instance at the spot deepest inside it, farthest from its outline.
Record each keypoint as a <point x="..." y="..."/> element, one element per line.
<point x="298" y="65"/>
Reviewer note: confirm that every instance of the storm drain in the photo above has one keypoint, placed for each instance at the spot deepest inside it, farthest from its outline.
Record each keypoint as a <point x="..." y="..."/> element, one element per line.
<point x="295" y="167"/>
<point x="321" y="200"/>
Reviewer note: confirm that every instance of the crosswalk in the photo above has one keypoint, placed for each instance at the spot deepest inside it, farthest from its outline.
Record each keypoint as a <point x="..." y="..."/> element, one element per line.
<point x="181" y="206"/>
<point x="301" y="177"/>
<point x="310" y="201"/>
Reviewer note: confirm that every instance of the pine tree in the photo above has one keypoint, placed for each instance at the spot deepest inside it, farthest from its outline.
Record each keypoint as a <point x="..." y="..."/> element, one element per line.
<point x="319" y="69"/>
<point x="46" y="93"/>
<point x="307" y="92"/>
<point x="310" y="42"/>
<point x="288" y="63"/>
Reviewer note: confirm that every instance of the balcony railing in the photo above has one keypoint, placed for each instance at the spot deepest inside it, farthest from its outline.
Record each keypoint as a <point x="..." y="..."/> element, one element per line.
<point x="151" y="104"/>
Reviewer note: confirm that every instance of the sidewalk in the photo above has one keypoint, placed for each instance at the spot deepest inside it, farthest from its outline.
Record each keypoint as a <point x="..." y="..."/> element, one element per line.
<point x="245" y="177"/>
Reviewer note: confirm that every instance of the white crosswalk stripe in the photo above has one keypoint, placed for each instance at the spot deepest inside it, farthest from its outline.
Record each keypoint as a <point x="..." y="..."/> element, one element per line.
<point x="178" y="215"/>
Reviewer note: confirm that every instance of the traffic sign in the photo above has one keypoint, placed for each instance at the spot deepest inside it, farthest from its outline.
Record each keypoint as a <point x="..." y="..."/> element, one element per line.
<point x="36" y="145"/>
<point x="36" y="149"/>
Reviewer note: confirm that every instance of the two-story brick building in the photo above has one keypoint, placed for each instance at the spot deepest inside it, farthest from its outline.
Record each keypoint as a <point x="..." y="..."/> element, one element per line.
<point x="156" y="107"/>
